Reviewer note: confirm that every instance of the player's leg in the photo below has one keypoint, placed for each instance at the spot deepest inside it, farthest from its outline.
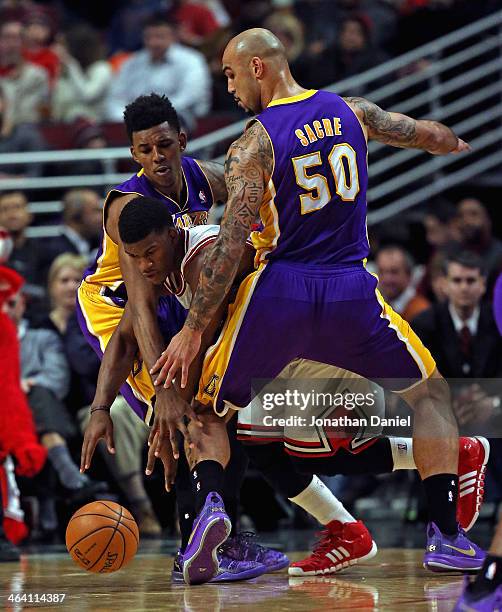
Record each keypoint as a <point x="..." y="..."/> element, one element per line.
<point x="484" y="594"/>
<point x="382" y="346"/>
<point x="244" y="545"/>
<point x="212" y="526"/>
<point x="343" y="541"/>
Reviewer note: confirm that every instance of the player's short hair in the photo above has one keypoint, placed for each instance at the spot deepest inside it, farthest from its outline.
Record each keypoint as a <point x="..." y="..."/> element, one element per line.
<point x="146" y="112"/>
<point x="142" y="216"/>
<point x="466" y="259"/>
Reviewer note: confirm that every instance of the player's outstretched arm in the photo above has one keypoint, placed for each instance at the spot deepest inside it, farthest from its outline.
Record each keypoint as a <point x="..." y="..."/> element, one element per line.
<point x="248" y="168"/>
<point x="116" y="365"/>
<point x="402" y="131"/>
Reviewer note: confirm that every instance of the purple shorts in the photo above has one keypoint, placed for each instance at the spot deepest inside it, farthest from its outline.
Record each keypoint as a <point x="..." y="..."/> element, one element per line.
<point x="334" y="315"/>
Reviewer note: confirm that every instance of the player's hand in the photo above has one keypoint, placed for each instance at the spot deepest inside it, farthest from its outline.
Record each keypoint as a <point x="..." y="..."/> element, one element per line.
<point x="180" y="353"/>
<point x="100" y="426"/>
<point x="168" y="460"/>
<point x="170" y="410"/>
<point x="462" y="147"/>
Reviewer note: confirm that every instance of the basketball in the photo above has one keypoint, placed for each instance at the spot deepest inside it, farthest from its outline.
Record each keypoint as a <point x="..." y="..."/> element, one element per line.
<point x="102" y="537"/>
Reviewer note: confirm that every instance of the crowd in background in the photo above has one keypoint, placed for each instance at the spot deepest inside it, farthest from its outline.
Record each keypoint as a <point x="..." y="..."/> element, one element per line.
<point x="60" y="63"/>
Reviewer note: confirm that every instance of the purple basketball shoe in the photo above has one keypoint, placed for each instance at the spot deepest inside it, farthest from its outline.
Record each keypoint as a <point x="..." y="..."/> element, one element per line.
<point x="244" y="547"/>
<point x="484" y="602"/>
<point x="451" y="553"/>
<point x="230" y="570"/>
<point x="211" y="528"/>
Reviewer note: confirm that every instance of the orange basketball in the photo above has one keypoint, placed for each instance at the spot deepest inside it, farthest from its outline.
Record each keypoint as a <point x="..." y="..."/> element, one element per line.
<point x="102" y="537"/>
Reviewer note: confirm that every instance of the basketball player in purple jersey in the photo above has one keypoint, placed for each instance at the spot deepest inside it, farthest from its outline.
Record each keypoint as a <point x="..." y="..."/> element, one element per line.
<point x="301" y="165"/>
<point x="187" y="188"/>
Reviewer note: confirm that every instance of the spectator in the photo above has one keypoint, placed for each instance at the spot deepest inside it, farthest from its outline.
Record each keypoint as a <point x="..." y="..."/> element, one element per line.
<point x="26" y="257"/>
<point x="38" y="36"/>
<point x="289" y="30"/>
<point x="17" y="430"/>
<point x="440" y="225"/>
<point x="25" y="83"/>
<point x="352" y="53"/>
<point x="196" y="22"/>
<point x="441" y="234"/>
<point x="129" y="432"/>
<point x="395" y="281"/>
<point x="437" y="277"/>
<point x="166" y="67"/>
<point x="20" y="138"/>
<point x="45" y="380"/>
<point x="476" y="235"/>
<point x="124" y="33"/>
<point x="85" y="135"/>
<point x="82" y="225"/>
<point x="83" y="84"/>
<point x="461" y="333"/>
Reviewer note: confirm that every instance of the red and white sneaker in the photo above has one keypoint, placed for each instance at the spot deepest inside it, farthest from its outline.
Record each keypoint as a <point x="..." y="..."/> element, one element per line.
<point x="340" y="545"/>
<point x="472" y="460"/>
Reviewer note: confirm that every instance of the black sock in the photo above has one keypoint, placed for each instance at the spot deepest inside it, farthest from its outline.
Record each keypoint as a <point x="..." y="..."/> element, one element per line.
<point x="278" y="468"/>
<point x="441" y="492"/>
<point x="207" y="476"/>
<point x="489" y="577"/>
<point x="185" y="499"/>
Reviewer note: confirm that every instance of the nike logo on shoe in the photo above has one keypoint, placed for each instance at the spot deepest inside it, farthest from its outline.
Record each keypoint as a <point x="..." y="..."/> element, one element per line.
<point x="470" y="552"/>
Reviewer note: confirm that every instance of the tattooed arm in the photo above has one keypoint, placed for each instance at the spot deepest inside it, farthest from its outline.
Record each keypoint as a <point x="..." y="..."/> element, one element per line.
<point x="248" y="168"/>
<point x="215" y="174"/>
<point x="247" y="171"/>
<point x="403" y="131"/>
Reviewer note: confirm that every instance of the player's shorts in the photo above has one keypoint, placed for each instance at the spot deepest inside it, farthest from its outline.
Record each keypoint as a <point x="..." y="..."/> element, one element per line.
<point x="259" y="422"/>
<point x="332" y="314"/>
<point x="99" y="311"/>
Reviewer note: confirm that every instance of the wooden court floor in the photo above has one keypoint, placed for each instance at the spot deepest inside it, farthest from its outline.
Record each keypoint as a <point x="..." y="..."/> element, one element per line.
<point x="393" y="580"/>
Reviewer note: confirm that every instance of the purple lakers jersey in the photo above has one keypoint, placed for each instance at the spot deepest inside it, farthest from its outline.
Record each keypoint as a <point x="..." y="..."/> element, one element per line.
<point x="314" y="208"/>
<point x="192" y="211"/>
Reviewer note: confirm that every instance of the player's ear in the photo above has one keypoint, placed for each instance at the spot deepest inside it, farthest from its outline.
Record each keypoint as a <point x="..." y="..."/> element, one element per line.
<point x="257" y="67"/>
<point x="183" y="141"/>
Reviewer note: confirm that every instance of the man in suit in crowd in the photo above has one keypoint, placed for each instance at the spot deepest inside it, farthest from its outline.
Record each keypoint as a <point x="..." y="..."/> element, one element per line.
<point x="461" y="333"/>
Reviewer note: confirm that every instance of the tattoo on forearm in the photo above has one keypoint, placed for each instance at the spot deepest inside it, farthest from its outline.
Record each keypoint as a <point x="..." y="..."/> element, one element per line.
<point x="248" y="168"/>
<point x="402" y="131"/>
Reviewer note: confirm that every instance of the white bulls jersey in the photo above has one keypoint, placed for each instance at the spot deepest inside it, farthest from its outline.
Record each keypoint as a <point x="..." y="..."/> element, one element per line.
<point x="196" y="238"/>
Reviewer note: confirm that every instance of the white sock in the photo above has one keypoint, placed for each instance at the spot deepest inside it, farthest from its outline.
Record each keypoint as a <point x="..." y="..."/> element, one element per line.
<point x="402" y="453"/>
<point x="320" y="502"/>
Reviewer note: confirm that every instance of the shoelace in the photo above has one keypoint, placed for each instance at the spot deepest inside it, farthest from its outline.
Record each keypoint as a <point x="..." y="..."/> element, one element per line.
<point x="323" y="544"/>
<point x="241" y="543"/>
